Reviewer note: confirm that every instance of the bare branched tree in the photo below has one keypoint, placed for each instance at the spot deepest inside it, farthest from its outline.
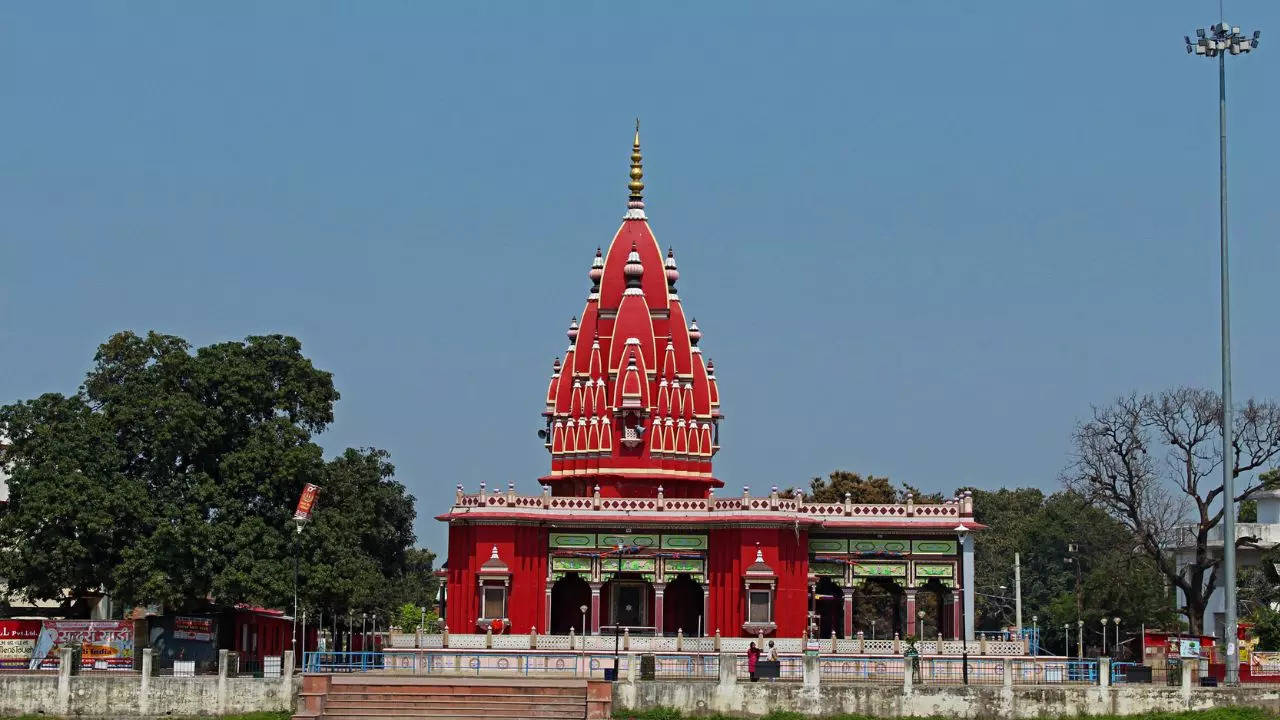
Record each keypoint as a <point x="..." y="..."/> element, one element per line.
<point x="1152" y="461"/>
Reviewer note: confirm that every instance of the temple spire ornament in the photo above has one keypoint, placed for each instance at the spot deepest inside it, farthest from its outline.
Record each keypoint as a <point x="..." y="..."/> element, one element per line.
<point x="635" y="205"/>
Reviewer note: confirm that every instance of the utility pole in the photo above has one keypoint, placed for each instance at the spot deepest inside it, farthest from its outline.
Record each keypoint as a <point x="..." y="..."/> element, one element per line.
<point x="1215" y="42"/>
<point x="1017" y="592"/>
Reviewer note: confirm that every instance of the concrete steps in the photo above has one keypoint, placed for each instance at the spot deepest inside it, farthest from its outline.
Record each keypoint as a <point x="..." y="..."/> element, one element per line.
<point x="373" y="697"/>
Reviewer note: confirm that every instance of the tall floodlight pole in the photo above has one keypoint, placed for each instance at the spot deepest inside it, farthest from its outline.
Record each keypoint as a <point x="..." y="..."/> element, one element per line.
<point x="1215" y="42"/>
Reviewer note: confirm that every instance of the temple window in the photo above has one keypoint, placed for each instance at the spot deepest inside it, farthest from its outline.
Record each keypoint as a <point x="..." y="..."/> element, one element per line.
<point x="759" y="606"/>
<point x="495" y="602"/>
<point x="495" y="583"/>
<point x="759" y="582"/>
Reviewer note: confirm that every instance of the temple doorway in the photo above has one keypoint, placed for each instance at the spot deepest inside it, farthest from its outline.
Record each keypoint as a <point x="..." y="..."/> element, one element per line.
<point x="929" y="599"/>
<point x="879" y="610"/>
<point x="568" y="596"/>
<point x="628" y="600"/>
<point x="828" y="601"/>
<point x="682" y="607"/>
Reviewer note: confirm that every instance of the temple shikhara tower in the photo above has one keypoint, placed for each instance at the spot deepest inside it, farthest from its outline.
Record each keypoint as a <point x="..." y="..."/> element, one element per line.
<point x="630" y="530"/>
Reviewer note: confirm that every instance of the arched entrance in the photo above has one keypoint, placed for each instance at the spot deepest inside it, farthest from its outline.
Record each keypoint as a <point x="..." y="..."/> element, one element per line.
<point x="828" y="603"/>
<point x="568" y="596"/>
<point x="929" y="599"/>
<point x="682" y="607"/>
<point x="879" y="610"/>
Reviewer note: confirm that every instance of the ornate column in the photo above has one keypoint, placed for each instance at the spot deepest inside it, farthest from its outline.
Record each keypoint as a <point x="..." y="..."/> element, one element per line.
<point x="848" y="611"/>
<point x="658" y="590"/>
<point x="911" y="611"/>
<point x="595" y="608"/>
<point x="547" y="627"/>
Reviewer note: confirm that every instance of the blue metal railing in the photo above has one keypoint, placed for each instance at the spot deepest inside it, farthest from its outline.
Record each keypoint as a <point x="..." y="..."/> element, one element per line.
<point x="328" y="662"/>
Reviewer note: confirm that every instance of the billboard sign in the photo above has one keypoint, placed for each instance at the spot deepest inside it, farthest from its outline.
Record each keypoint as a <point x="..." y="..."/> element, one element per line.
<point x="105" y="644"/>
<point x="17" y="639"/>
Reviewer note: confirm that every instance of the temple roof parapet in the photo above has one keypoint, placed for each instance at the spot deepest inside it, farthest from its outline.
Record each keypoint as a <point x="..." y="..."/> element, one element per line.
<point x="774" y="507"/>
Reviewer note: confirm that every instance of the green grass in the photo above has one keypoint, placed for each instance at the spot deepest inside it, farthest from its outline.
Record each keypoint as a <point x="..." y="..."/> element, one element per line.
<point x="1218" y="714"/>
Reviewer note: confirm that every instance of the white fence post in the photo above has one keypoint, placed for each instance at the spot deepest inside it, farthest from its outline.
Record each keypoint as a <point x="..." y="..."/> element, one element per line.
<point x="728" y="669"/>
<point x="144" y="690"/>
<point x="63" y="702"/>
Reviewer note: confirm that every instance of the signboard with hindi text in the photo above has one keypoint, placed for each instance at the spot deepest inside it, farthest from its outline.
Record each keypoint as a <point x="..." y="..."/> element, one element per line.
<point x="105" y="644"/>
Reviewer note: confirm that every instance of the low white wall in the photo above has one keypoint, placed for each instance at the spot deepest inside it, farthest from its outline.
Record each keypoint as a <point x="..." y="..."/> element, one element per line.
<point x="130" y="694"/>
<point x="894" y="701"/>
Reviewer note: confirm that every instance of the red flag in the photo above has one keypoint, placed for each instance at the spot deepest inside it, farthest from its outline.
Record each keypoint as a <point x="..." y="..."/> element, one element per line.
<point x="306" y="502"/>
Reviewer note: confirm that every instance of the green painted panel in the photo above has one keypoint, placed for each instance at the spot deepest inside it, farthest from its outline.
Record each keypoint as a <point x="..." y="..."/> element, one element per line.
<point x="880" y="570"/>
<point x="828" y="545"/>
<point x="674" y="566"/>
<point x="934" y="571"/>
<point x="826" y="569"/>
<point x="684" y="542"/>
<point x="629" y="564"/>
<point x="573" y="540"/>
<point x="933" y="547"/>
<point x="573" y="564"/>
<point x="871" y="545"/>
<point x="612" y="540"/>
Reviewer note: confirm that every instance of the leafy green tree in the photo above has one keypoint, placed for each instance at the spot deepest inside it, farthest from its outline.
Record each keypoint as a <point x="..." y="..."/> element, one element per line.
<point x="171" y="477"/>
<point x="1115" y="581"/>
<point x="871" y="489"/>
<point x="71" y="511"/>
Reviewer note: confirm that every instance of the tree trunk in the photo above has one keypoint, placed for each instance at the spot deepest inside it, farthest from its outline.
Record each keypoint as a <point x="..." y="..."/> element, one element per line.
<point x="1195" y="607"/>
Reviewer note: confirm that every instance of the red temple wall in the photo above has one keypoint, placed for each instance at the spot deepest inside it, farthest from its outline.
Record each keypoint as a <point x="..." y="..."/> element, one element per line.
<point x="731" y="551"/>
<point x="523" y="548"/>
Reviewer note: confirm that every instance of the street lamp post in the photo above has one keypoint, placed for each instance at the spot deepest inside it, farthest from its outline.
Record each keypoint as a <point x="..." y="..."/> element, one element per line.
<point x="1079" y="639"/>
<point x="1066" y="637"/>
<point x="1104" y="637"/>
<point x="583" y="628"/>
<point x="1035" y="635"/>
<point x="1116" y="620"/>
<point x="297" y="550"/>
<point x="962" y="533"/>
<point x="1215" y="42"/>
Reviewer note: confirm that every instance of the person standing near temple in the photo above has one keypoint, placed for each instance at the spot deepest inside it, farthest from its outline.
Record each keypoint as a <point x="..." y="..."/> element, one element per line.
<point x="753" y="657"/>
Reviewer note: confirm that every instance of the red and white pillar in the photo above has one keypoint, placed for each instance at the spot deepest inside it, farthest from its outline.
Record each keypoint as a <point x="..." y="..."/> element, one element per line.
<point x="848" y="612"/>
<point x="658" y="590"/>
<point x="911" y="611"/>
<point x="595" y="608"/>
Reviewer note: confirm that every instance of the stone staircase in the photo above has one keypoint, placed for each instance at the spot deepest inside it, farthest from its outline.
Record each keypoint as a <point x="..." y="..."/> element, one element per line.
<point x="369" y="696"/>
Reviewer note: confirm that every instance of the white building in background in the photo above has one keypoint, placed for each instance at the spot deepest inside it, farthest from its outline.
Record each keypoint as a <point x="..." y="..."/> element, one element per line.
<point x="1264" y="534"/>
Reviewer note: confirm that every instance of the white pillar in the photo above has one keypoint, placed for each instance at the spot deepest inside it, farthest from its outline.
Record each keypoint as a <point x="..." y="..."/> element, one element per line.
<point x="966" y="552"/>
<point x="224" y="657"/>
<point x="144" y="691"/>
<point x="728" y="668"/>
<point x="812" y="671"/>
<point x="63" y="701"/>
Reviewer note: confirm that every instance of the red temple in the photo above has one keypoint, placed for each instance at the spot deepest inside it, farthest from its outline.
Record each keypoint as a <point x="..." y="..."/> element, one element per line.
<point x="628" y="531"/>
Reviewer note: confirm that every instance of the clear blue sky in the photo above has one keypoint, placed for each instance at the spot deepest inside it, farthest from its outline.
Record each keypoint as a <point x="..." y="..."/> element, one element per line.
<point x="921" y="238"/>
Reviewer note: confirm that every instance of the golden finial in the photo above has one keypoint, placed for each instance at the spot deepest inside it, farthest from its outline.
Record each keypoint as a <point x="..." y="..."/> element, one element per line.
<point x="635" y="205"/>
<point x="637" y="169"/>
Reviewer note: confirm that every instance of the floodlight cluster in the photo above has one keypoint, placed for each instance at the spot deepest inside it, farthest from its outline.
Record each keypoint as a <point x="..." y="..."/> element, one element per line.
<point x="1220" y="39"/>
